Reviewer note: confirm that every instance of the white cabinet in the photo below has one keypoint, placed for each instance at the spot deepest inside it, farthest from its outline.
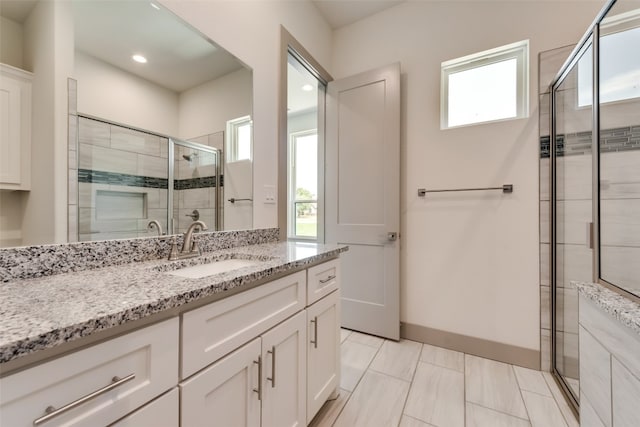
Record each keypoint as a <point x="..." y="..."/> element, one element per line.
<point x="226" y="393"/>
<point x="284" y="374"/>
<point x="322" y="279"/>
<point x="323" y="351"/>
<point x="95" y="386"/>
<point x="265" y="379"/>
<point x="257" y="358"/>
<point x="15" y="128"/>
<point x="161" y="412"/>
<point x="214" y="330"/>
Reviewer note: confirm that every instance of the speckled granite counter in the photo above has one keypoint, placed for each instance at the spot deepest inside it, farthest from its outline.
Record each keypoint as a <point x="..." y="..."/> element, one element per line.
<point x="45" y="312"/>
<point x="623" y="309"/>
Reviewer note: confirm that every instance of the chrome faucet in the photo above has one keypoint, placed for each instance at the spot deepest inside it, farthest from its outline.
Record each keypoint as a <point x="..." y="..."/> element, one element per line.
<point x="189" y="245"/>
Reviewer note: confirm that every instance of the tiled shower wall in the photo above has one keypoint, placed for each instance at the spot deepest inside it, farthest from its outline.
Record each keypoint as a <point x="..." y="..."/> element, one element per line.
<point x="195" y="183"/>
<point x="122" y="181"/>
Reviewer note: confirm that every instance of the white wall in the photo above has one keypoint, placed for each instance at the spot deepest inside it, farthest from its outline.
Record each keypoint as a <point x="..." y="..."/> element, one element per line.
<point x="469" y="261"/>
<point x="48" y="52"/>
<point x="11" y="40"/>
<point x="250" y="30"/>
<point x="206" y="108"/>
<point x="111" y="93"/>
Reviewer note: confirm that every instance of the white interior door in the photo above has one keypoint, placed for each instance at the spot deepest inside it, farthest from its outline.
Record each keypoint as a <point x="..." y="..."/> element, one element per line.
<point x="362" y="196"/>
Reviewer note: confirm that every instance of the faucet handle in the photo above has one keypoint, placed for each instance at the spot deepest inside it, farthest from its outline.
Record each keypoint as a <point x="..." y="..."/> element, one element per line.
<point x="173" y="254"/>
<point x="194" y="245"/>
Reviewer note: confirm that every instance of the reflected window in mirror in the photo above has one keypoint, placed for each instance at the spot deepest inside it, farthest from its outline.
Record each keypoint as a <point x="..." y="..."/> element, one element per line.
<point x="305" y="107"/>
<point x="619" y="148"/>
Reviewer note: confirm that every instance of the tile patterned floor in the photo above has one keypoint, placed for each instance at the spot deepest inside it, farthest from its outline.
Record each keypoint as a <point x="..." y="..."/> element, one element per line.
<point x="409" y="384"/>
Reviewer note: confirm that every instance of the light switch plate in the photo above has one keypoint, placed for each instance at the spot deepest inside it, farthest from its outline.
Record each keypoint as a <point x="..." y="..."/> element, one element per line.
<point x="270" y="194"/>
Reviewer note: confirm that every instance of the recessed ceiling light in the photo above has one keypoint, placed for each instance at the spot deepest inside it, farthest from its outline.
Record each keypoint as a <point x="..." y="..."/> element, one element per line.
<point x="155" y="6"/>
<point x="139" y="58"/>
<point x="307" y="88"/>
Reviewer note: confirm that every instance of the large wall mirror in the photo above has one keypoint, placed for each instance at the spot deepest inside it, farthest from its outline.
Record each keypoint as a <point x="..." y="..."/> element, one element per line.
<point x="159" y="121"/>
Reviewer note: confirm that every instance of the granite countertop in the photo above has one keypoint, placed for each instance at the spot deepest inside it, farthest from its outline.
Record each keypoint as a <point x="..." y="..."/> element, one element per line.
<point x="42" y="313"/>
<point x="623" y="309"/>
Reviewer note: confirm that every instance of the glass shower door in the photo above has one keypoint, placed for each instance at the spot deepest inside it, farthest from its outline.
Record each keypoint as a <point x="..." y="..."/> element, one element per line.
<point x="572" y="211"/>
<point x="196" y="183"/>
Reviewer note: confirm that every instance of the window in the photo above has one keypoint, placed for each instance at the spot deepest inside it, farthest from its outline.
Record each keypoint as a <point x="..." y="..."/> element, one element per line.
<point x="487" y="86"/>
<point x="238" y="139"/>
<point x="304" y="184"/>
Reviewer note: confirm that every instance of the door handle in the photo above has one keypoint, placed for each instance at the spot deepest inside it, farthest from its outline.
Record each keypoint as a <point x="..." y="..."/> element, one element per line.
<point x="392" y="236"/>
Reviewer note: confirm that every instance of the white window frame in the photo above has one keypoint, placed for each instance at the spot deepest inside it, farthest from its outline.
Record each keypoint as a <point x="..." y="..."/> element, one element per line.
<point x="518" y="50"/>
<point x="231" y="138"/>
<point x="292" y="187"/>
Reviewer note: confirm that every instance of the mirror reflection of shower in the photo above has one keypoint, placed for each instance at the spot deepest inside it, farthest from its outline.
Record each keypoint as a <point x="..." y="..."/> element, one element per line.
<point x="195" y="177"/>
<point x="189" y="157"/>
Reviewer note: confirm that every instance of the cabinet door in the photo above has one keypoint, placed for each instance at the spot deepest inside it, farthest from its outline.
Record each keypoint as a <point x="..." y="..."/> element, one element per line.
<point x="162" y="412"/>
<point x="284" y="374"/>
<point x="323" y="355"/>
<point x="225" y="394"/>
<point x="15" y="128"/>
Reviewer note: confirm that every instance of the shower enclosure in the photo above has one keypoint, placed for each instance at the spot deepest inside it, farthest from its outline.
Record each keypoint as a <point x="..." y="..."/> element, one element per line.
<point x="595" y="176"/>
<point x="129" y="177"/>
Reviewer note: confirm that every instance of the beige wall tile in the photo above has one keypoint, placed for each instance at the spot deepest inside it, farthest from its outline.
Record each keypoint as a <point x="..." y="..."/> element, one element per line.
<point x="595" y="375"/>
<point x="107" y="160"/>
<point x="93" y="132"/>
<point x="626" y="395"/>
<point x="135" y="141"/>
<point x="152" y="166"/>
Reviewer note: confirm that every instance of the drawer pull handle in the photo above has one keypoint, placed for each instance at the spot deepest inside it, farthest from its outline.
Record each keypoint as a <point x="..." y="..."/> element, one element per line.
<point x="52" y="412"/>
<point x="272" y="352"/>
<point x="259" y="389"/>
<point x="328" y="279"/>
<point x="314" y="341"/>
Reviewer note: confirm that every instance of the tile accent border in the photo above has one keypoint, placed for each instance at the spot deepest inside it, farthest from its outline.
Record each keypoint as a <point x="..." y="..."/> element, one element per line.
<point x="500" y="352"/>
<point x="611" y="140"/>
<point x="29" y="262"/>
<point x="89" y="176"/>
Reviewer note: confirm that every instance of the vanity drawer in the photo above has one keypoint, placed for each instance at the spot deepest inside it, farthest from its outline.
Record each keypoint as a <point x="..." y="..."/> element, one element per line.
<point x="81" y="386"/>
<point x="210" y="332"/>
<point x="164" y="411"/>
<point x="322" y="280"/>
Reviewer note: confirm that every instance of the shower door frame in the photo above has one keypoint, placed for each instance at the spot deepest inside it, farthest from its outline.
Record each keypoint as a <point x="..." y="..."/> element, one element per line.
<point x="592" y="35"/>
<point x="218" y="189"/>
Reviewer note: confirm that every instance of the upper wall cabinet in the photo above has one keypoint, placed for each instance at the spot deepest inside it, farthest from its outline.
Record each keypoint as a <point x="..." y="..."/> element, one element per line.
<point x="15" y="128"/>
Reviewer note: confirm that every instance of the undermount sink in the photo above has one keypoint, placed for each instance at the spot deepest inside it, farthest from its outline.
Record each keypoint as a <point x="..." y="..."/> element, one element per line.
<point x="214" y="267"/>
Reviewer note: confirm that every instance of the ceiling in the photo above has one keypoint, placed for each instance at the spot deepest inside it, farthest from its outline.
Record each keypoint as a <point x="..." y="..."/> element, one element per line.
<point x="16" y="10"/>
<point x="298" y="99"/>
<point x="179" y="57"/>
<point x="339" y="13"/>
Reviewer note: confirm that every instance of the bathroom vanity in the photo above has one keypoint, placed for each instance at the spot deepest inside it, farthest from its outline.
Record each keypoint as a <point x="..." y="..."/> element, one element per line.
<point x="609" y="357"/>
<point x="144" y="344"/>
